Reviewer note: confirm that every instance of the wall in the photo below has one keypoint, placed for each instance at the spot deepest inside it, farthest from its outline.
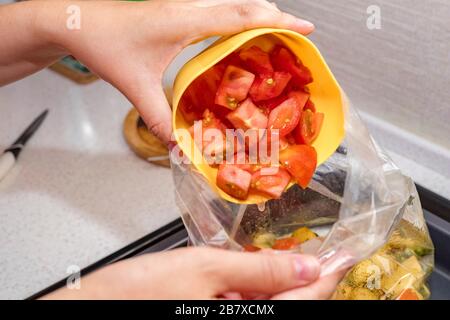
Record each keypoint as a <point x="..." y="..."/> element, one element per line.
<point x="400" y="72"/>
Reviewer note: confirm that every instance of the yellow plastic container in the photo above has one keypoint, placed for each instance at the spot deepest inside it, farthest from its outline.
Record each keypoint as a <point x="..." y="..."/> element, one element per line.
<point x="325" y="93"/>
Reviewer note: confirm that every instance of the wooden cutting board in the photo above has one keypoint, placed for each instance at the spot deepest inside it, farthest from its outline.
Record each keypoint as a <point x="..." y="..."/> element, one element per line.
<point x="143" y="142"/>
<point x="74" y="70"/>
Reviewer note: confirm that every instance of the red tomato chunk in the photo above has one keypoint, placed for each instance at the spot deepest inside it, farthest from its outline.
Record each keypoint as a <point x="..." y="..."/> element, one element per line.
<point x="248" y="116"/>
<point x="264" y="88"/>
<point x="283" y="59"/>
<point x="234" y="181"/>
<point x="236" y="83"/>
<point x="301" y="162"/>
<point x="272" y="185"/>
<point x="257" y="61"/>
<point x="285" y="117"/>
<point x="285" y="243"/>
<point x="309" y="127"/>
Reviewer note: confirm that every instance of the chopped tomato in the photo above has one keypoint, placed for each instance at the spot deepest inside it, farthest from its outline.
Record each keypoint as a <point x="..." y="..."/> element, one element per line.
<point x="234" y="87"/>
<point x="309" y="127"/>
<point x="233" y="181"/>
<point x="271" y="104"/>
<point x="268" y="87"/>
<point x="408" y="294"/>
<point x="285" y="117"/>
<point x="285" y="244"/>
<point x="231" y="59"/>
<point x="301" y="97"/>
<point x="202" y="91"/>
<point x="213" y="137"/>
<point x="257" y="61"/>
<point x="301" y="162"/>
<point x="188" y="110"/>
<point x="247" y="116"/>
<point x="253" y="90"/>
<point x="272" y="185"/>
<point x="310" y="106"/>
<point x="251" y="248"/>
<point x="290" y="139"/>
<point x="284" y="60"/>
<point x="211" y="121"/>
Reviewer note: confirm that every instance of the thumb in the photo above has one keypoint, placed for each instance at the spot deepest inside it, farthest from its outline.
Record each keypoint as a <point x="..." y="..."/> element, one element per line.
<point x="154" y="109"/>
<point x="262" y="273"/>
<point x="321" y="289"/>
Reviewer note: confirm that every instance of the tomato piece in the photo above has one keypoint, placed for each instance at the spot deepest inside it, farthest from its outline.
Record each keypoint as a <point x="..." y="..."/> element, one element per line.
<point x="272" y="185"/>
<point x="309" y="127"/>
<point x="234" y="87"/>
<point x="188" y="110"/>
<point x="251" y="248"/>
<point x="211" y="121"/>
<point x="284" y="60"/>
<point x="290" y="138"/>
<point x="233" y="180"/>
<point x="201" y="93"/>
<point x="248" y="116"/>
<point x="285" y="244"/>
<point x="310" y="106"/>
<point x="408" y="294"/>
<point x="301" y="162"/>
<point x="301" y="97"/>
<point x="213" y="137"/>
<point x="285" y="117"/>
<point x="231" y="59"/>
<point x="271" y="104"/>
<point x="268" y="87"/>
<point x="257" y="61"/>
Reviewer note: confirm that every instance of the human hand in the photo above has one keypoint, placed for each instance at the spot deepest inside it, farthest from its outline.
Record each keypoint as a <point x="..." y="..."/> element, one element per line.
<point x="131" y="44"/>
<point x="206" y="273"/>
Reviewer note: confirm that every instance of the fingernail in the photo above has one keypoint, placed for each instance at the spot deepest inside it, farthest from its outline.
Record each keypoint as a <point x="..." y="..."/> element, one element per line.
<point x="304" y="24"/>
<point x="307" y="268"/>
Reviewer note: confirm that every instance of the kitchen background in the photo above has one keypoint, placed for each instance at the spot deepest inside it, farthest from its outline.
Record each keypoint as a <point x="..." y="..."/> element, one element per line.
<point x="79" y="193"/>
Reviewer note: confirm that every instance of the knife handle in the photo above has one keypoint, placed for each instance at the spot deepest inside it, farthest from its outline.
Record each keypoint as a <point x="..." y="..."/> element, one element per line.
<point x="7" y="161"/>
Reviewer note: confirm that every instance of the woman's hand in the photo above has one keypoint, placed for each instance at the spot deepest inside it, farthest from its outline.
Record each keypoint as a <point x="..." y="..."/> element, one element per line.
<point x="206" y="273"/>
<point x="128" y="44"/>
<point x="131" y="44"/>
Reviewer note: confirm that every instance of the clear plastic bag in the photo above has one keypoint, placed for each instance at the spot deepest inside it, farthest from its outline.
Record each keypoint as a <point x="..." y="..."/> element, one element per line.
<point x="357" y="201"/>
